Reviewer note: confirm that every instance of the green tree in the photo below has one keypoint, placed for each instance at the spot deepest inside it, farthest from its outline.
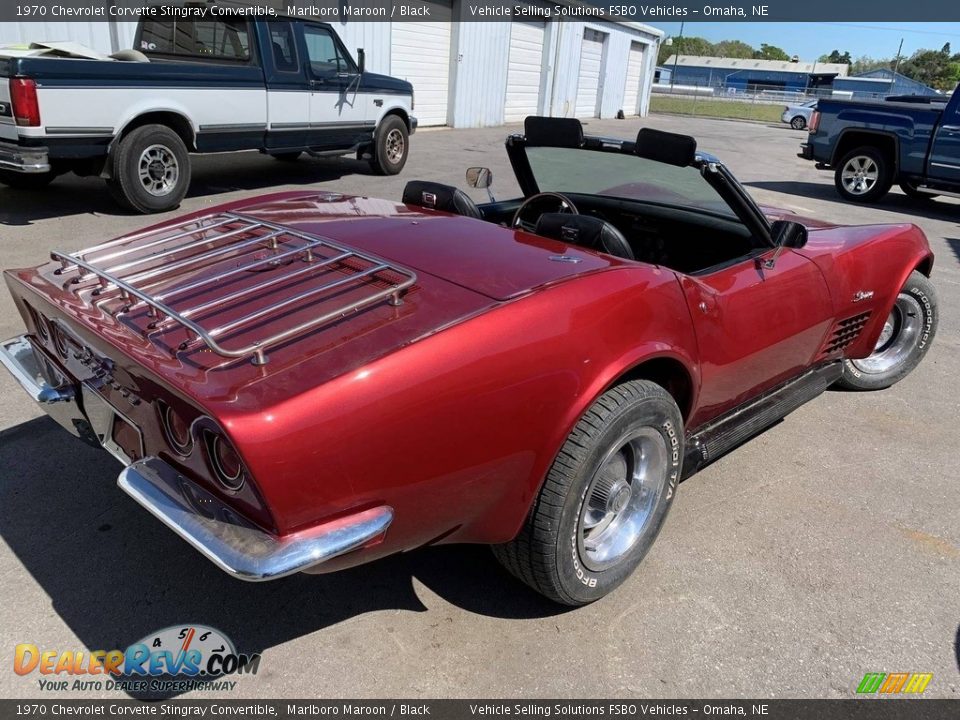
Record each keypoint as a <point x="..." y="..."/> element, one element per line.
<point x="865" y="64"/>
<point x="685" y="46"/>
<point x="836" y="57"/>
<point x="770" y="52"/>
<point x="936" y="68"/>
<point x="733" y="49"/>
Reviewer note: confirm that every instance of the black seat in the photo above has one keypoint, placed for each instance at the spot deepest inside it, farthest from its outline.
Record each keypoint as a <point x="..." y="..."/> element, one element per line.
<point x="436" y="196"/>
<point x="586" y="232"/>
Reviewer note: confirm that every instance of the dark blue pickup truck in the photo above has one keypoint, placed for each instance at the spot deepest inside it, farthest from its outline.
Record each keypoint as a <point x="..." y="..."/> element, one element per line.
<point x="871" y="145"/>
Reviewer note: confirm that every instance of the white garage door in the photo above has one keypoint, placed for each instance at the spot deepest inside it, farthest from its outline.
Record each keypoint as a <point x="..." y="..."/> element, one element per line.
<point x="524" y="69"/>
<point x="591" y="62"/>
<point x="631" y="94"/>
<point x="420" y="53"/>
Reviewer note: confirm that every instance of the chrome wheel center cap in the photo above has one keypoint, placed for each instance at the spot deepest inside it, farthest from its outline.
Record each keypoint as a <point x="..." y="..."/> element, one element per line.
<point x="619" y="498"/>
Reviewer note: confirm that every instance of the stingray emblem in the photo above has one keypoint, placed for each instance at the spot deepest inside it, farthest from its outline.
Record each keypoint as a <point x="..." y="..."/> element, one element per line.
<point x="862" y="295"/>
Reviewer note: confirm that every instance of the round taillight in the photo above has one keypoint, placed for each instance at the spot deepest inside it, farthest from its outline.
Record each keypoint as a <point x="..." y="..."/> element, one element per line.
<point x="59" y="341"/>
<point x="43" y="325"/>
<point x="227" y="465"/>
<point x="177" y="431"/>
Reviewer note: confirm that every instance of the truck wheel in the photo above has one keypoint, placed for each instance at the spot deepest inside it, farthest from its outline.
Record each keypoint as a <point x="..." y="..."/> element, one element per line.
<point x="911" y="191"/>
<point x="391" y="146"/>
<point x="26" y="181"/>
<point x="905" y="339"/>
<point x="151" y="170"/>
<point x="864" y="175"/>
<point x="604" y="499"/>
<point x="798" y="123"/>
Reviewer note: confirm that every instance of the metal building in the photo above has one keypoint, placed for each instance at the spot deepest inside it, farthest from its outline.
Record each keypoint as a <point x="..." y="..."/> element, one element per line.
<point x="880" y="83"/>
<point x="747" y="74"/>
<point x="469" y="74"/>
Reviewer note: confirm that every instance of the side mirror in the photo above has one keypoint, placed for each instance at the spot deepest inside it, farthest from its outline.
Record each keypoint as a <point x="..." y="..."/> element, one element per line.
<point x="361" y="59"/>
<point x="479" y="177"/>
<point x="785" y="234"/>
<point x="788" y="234"/>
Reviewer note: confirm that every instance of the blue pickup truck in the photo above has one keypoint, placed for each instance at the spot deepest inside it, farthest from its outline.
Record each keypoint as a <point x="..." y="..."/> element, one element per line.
<point x="912" y="141"/>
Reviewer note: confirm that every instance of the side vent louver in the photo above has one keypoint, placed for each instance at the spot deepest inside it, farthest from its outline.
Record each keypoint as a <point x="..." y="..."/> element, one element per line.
<point x="844" y="333"/>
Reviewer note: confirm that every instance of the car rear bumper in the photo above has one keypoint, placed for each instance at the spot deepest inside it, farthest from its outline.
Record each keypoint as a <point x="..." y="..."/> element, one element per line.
<point x="229" y="541"/>
<point x="24" y="159"/>
<point x="236" y="547"/>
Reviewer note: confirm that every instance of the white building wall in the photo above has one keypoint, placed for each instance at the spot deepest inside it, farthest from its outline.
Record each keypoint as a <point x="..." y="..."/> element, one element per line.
<point x="373" y="37"/>
<point x="478" y="73"/>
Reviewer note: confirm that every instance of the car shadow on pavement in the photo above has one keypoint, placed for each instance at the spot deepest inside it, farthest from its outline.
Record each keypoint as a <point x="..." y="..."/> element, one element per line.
<point x="114" y="574"/>
<point x="212" y="175"/>
<point x="894" y="202"/>
<point x="954" y="245"/>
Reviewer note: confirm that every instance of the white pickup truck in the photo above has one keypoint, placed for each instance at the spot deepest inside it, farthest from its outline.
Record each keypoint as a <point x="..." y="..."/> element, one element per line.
<point x="284" y="87"/>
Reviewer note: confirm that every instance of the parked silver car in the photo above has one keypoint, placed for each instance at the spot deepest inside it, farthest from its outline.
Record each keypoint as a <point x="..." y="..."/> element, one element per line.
<point x="798" y="116"/>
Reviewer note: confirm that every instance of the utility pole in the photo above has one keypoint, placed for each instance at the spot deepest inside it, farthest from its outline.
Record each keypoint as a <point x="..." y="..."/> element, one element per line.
<point x="676" y="58"/>
<point x="896" y="67"/>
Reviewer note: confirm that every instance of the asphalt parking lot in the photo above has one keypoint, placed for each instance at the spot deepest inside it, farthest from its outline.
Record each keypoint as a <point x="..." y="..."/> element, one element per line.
<point x="823" y="549"/>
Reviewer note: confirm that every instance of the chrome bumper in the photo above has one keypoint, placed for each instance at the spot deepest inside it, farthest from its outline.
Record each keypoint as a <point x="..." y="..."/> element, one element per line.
<point x="46" y="385"/>
<point x="219" y="533"/>
<point x="23" y="159"/>
<point x="244" y="551"/>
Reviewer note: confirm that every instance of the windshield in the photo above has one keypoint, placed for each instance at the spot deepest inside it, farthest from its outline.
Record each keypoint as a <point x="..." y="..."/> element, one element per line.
<point x="611" y="174"/>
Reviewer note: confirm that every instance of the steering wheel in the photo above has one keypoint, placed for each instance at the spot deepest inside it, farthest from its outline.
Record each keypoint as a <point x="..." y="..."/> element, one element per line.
<point x="519" y="219"/>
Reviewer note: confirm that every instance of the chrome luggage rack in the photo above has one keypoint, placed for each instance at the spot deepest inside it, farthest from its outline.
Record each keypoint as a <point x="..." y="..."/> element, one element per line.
<point x="151" y="269"/>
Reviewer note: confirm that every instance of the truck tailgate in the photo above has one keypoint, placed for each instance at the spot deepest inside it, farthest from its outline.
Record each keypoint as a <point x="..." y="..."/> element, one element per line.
<point x="8" y="129"/>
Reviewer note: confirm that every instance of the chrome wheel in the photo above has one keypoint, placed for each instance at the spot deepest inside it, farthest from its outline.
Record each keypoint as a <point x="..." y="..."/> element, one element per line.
<point x="900" y="334"/>
<point x="621" y="498"/>
<point x="159" y="170"/>
<point x="395" y="145"/>
<point x="860" y="174"/>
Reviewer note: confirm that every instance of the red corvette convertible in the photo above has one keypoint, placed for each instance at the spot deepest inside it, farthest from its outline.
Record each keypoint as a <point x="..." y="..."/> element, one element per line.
<point x="308" y="381"/>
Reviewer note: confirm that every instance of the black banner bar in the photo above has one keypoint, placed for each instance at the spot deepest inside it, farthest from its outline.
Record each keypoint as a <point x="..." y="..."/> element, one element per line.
<point x="491" y="10"/>
<point x="618" y="709"/>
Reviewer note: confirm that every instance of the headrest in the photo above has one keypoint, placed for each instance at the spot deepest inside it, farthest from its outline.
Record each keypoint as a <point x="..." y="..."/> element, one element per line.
<point x="437" y="196"/>
<point x="553" y="132"/>
<point x="586" y="232"/>
<point x="666" y="147"/>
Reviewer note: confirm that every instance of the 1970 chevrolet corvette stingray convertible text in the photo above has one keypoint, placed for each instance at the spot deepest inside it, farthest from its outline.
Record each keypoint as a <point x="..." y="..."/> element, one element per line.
<point x="308" y="381"/>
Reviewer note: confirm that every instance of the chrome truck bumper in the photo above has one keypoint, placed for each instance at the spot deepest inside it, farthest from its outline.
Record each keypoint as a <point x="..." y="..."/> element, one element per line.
<point x="233" y="544"/>
<point x="24" y="159"/>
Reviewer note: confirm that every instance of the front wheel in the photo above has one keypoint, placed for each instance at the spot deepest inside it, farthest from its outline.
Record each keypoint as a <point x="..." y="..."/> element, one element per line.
<point x="391" y="146"/>
<point x="604" y="499"/>
<point x="904" y="340"/>
<point x="864" y="175"/>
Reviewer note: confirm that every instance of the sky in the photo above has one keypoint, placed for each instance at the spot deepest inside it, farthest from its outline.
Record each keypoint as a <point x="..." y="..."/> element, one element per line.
<point x="811" y="40"/>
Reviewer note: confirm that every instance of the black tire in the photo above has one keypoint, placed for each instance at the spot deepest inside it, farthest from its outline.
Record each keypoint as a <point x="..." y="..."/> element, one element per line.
<point x="550" y="554"/>
<point x="26" y="181"/>
<point x="170" y="170"/>
<point x="387" y="160"/>
<point x="288" y="156"/>
<point x="911" y="191"/>
<point x="913" y="325"/>
<point x="798" y="123"/>
<point x="864" y="157"/>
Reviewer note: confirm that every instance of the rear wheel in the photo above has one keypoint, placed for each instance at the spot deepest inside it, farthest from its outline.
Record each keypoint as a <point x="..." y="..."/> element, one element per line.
<point x="798" y="123"/>
<point x="26" y="181"/>
<point x="904" y="340"/>
<point x="864" y="175"/>
<point x="391" y="146"/>
<point x="151" y="170"/>
<point x="604" y="499"/>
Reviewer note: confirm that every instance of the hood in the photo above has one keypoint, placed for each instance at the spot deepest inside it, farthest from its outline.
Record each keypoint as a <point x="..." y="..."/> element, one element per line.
<point x="374" y="82"/>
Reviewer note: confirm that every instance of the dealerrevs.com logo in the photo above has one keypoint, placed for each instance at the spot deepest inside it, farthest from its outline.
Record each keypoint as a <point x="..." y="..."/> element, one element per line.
<point x="175" y="659"/>
<point x="894" y="683"/>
